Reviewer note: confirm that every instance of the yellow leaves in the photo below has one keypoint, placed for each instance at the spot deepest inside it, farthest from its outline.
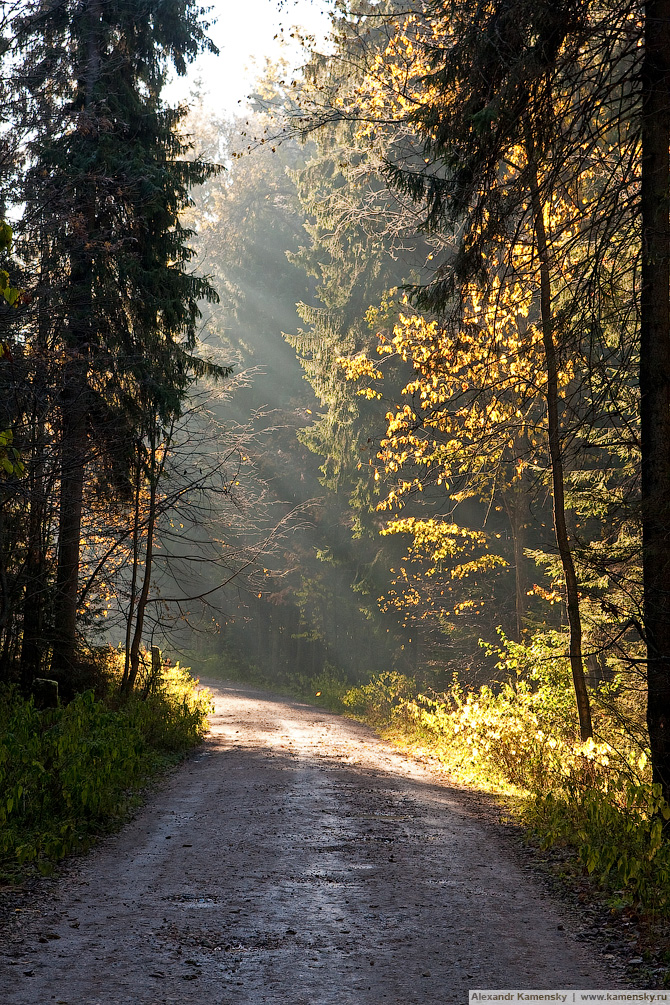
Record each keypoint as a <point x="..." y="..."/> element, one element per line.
<point x="482" y="564"/>
<point x="356" y="367"/>
<point x="436" y="539"/>
<point x="472" y="408"/>
<point x="551" y="596"/>
<point x="394" y="80"/>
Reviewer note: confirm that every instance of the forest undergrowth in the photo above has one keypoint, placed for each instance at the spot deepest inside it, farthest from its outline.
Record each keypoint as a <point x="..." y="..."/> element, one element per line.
<point x="72" y="773"/>
<point x="519" y="738"/>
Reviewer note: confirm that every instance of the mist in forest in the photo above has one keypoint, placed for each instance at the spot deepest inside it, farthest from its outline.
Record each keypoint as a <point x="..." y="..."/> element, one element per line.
<point x="321" y="592"/>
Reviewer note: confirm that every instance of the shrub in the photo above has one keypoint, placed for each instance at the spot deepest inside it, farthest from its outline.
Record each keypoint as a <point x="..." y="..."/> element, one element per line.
<point x="326" y="688"/>
<point x="173" y="716"/>
<point x="69" y="773"/>
<point x="387" y="695"/>
<point x="617" y="832"/>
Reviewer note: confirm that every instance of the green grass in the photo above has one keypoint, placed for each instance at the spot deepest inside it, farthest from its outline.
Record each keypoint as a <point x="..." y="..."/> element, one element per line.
<point x="72" y="773"/>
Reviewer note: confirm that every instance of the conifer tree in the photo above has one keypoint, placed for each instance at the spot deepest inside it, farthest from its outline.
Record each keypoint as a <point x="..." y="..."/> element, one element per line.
<point x="108" y="175"/>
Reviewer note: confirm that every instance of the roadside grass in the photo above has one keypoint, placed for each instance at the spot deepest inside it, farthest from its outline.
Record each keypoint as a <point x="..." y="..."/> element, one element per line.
<point x="72" y="773"/>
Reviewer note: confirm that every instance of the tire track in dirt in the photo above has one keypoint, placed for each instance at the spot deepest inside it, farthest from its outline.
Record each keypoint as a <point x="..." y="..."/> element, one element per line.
<point x="294" y="859"/>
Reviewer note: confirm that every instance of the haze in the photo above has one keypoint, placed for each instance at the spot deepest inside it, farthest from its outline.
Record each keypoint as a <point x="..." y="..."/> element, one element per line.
<point x="247" y="35"/>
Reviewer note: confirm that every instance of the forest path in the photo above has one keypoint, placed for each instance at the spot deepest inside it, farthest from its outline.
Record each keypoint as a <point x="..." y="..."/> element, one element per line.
<point x="295" y="859"/>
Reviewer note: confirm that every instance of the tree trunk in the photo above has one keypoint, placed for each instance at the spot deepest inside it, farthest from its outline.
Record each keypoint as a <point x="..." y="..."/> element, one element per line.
<point x="5" y="609"/>
<point x="36" y="588"/>
<point x="514" y="503"/>
<point x="655" y="379"/>
<point x="143" y="598"/>
<point x="73" y="452"/>
<point x="133" y="578"/>
<point x="556" y="454"/>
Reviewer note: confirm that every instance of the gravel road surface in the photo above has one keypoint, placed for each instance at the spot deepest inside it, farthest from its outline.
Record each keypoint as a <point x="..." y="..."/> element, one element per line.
<point x="294" y="859"/>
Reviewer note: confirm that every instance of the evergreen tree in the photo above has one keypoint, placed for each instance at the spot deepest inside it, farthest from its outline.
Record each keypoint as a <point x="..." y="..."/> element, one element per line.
<point x="108" y="175"/>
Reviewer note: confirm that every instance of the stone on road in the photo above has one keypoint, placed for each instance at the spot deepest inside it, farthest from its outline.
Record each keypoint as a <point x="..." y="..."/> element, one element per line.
<point x="294" y="859"/>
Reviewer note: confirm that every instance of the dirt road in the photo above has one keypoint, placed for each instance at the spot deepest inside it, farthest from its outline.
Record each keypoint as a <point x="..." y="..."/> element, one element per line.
<point x="295" y="859"/>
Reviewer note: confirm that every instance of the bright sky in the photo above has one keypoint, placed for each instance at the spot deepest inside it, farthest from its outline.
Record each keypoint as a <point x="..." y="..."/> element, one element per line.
<point x="245" y="33"/>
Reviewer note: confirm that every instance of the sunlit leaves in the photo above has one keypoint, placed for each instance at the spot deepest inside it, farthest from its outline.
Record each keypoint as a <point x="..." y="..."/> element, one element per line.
<point x="10" y="293"/>
<point x="10" y="458"/>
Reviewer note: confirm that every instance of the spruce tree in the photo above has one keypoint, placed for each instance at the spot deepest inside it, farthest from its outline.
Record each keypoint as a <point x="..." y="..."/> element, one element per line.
<point x="108" y="176"/>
